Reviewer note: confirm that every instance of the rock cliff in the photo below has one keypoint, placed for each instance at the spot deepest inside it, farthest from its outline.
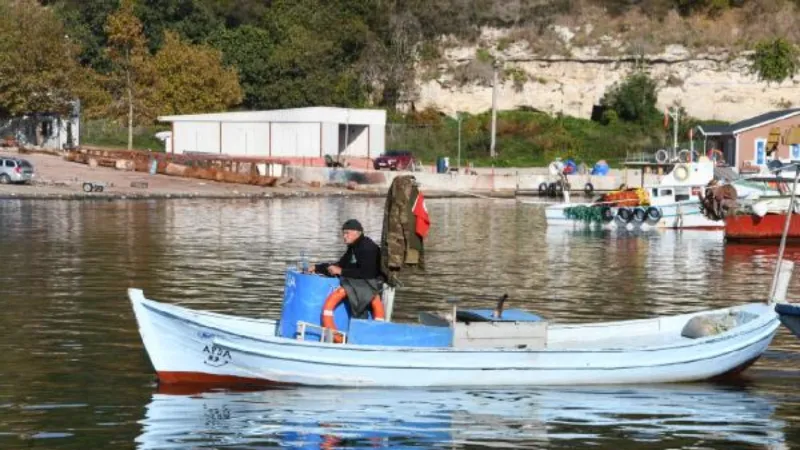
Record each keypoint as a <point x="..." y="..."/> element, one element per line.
<point x="714" y="84"/>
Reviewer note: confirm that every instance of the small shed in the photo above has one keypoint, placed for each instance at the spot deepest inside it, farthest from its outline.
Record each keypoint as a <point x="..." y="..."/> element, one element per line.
<point x="44" y="130"/>
<point x="744" y="144"/>
<point x="308" y="134"/>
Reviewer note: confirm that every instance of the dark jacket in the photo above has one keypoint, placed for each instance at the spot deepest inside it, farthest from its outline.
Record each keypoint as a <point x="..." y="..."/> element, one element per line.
<point x="361" y="260"/>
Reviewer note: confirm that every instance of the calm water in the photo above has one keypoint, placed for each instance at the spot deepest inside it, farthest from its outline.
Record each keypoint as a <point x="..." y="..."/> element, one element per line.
<point x="74" y="374"/>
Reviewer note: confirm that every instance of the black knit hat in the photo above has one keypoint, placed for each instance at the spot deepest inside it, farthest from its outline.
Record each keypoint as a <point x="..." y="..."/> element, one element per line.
<point x="353" y="224"/>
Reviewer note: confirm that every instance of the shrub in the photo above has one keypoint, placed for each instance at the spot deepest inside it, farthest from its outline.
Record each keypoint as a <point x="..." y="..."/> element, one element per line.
<point x="633" y="99"/>
<point x="774" y="60"/>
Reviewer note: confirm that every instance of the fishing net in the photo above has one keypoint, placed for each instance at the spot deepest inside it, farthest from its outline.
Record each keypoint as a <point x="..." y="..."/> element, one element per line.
<point x="583" y="213"/>
<point x="627" y="197"/>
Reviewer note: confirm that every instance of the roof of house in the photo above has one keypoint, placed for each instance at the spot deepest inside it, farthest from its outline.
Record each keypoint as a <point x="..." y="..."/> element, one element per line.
<point x="748" y="124"/>
<point x="311" y="114"/>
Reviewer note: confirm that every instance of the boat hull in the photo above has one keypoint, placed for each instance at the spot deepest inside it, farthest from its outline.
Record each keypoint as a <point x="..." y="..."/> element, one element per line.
<point x="685" y="216"/>
<point x="769" y="228"/>
<point x="179" y="342"/>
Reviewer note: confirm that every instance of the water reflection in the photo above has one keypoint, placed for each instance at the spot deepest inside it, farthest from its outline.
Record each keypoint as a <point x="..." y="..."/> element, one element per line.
<point x="615" y="417"/>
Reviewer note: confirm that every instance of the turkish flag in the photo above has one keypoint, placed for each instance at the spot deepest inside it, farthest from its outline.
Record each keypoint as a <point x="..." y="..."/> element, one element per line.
<point x="421" y="212"/>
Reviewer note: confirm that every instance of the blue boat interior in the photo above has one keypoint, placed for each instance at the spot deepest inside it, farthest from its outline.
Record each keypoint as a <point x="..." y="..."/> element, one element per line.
<point x="371" y="332"/>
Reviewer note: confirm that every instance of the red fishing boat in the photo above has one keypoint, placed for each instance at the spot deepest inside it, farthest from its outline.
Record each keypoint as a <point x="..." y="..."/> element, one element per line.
<point x="769" y="227"/>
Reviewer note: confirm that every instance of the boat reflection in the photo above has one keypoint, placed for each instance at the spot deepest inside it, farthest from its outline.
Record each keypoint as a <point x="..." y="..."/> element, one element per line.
<point x="750" y="251"/>
<point x="621" y="417"/>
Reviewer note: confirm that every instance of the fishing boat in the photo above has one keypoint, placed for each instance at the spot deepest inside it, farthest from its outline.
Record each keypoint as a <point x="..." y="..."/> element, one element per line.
<point x="751" y="227"/>
<point x="478" y="348"/>
<point x="675" y="202"/>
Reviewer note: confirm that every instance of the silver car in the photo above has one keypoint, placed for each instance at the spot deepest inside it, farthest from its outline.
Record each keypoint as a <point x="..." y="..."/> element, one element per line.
<point x="15" y="170"/>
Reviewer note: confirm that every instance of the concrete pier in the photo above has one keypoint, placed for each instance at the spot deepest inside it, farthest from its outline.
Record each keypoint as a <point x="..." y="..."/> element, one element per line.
<point x="486" y="180"/>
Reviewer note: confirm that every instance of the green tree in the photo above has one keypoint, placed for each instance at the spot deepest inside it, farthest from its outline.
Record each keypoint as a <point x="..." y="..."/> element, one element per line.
<point x="387" y="63"/>
<point x="192" y="78"/>
<point x="312" y="68"/>
<point x="37" y="61"/>
<point x="133" y="75"/>
<point x="774" y="60"/>
<point x="250" y="50"/>
<point x="634" y="99"/>
<point x="191" y="19"/>
<point x="84" y="22"/>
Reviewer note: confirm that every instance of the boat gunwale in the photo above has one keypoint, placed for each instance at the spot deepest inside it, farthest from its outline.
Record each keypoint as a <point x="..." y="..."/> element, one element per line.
<point x="422" y="366"/>
<point x="746" y="328"/>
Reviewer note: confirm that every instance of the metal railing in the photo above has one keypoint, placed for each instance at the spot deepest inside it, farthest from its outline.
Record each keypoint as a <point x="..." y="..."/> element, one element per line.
<point x="327" y="334"/>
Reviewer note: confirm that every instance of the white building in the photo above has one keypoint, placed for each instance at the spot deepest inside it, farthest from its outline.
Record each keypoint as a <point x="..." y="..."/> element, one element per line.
<point x="285" y="133"/>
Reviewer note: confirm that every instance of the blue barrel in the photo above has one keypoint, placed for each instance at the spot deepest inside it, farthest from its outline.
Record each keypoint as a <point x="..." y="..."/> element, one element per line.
<point x="441" y="165"/>
<point x="303" y="298"/>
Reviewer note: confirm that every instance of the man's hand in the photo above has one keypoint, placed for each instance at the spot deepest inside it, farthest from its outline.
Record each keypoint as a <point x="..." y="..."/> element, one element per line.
<point x="334" y="270"/>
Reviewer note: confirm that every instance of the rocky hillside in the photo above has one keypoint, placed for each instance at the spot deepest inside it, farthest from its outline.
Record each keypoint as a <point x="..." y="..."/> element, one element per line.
<point x="702" y="63"/>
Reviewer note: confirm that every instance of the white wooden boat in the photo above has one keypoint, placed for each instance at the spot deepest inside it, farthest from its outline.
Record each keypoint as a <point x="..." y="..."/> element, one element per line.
<point x="187" y="346"/>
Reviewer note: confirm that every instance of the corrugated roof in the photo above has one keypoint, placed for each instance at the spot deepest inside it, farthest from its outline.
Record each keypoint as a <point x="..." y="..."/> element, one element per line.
<point x="324" y="114"/>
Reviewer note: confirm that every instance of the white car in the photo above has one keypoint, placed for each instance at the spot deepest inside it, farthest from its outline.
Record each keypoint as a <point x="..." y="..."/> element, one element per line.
<point x="15" y="170"/>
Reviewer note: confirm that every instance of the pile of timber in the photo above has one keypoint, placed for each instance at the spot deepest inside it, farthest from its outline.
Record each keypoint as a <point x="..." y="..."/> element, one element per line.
<point x="205" y="167"/>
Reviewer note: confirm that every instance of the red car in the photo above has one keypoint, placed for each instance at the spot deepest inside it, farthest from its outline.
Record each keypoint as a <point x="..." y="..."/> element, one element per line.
<point x="394" y="160"/>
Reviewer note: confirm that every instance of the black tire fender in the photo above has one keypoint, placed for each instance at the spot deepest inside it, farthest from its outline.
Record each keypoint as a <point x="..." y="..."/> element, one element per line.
<point x="606" y="214"/>
<point x="639" y="215"/>
<point x="653" y="214"/>
<point x="624" y="215"/>
<point x="543" y="188"/>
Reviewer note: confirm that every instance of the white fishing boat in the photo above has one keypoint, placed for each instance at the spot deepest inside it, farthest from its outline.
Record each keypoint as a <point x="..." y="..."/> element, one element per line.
<point x="519" y="349"/>
<point x="675" y="202"/>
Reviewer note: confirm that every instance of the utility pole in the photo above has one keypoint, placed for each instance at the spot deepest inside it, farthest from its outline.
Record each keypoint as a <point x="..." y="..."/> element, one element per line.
<point x="458" y="116"/>
<point x="675" y="114"/>
<point x="496" y="66"/>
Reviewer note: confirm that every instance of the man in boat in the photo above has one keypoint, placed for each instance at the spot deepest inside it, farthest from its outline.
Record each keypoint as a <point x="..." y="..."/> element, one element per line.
<point x="358" y="268"/>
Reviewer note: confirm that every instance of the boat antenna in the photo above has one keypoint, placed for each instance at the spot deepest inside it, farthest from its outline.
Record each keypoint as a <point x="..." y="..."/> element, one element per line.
<point x="782" y="247"/>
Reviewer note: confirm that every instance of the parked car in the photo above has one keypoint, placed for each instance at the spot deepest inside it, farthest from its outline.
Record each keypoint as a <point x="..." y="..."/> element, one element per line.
<point x="395" y="160"/>
<point x="15" y="170"/>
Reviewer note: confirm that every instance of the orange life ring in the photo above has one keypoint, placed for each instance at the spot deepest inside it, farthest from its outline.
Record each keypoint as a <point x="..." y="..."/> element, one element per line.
<point x="333" y="301"/>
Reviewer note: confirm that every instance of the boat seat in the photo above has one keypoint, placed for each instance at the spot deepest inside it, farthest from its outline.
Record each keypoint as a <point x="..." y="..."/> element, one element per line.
<point x="529" y="335"/>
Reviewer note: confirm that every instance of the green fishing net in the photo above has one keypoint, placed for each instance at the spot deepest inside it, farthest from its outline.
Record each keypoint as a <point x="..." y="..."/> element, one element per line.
<point x="588" y="214"/>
